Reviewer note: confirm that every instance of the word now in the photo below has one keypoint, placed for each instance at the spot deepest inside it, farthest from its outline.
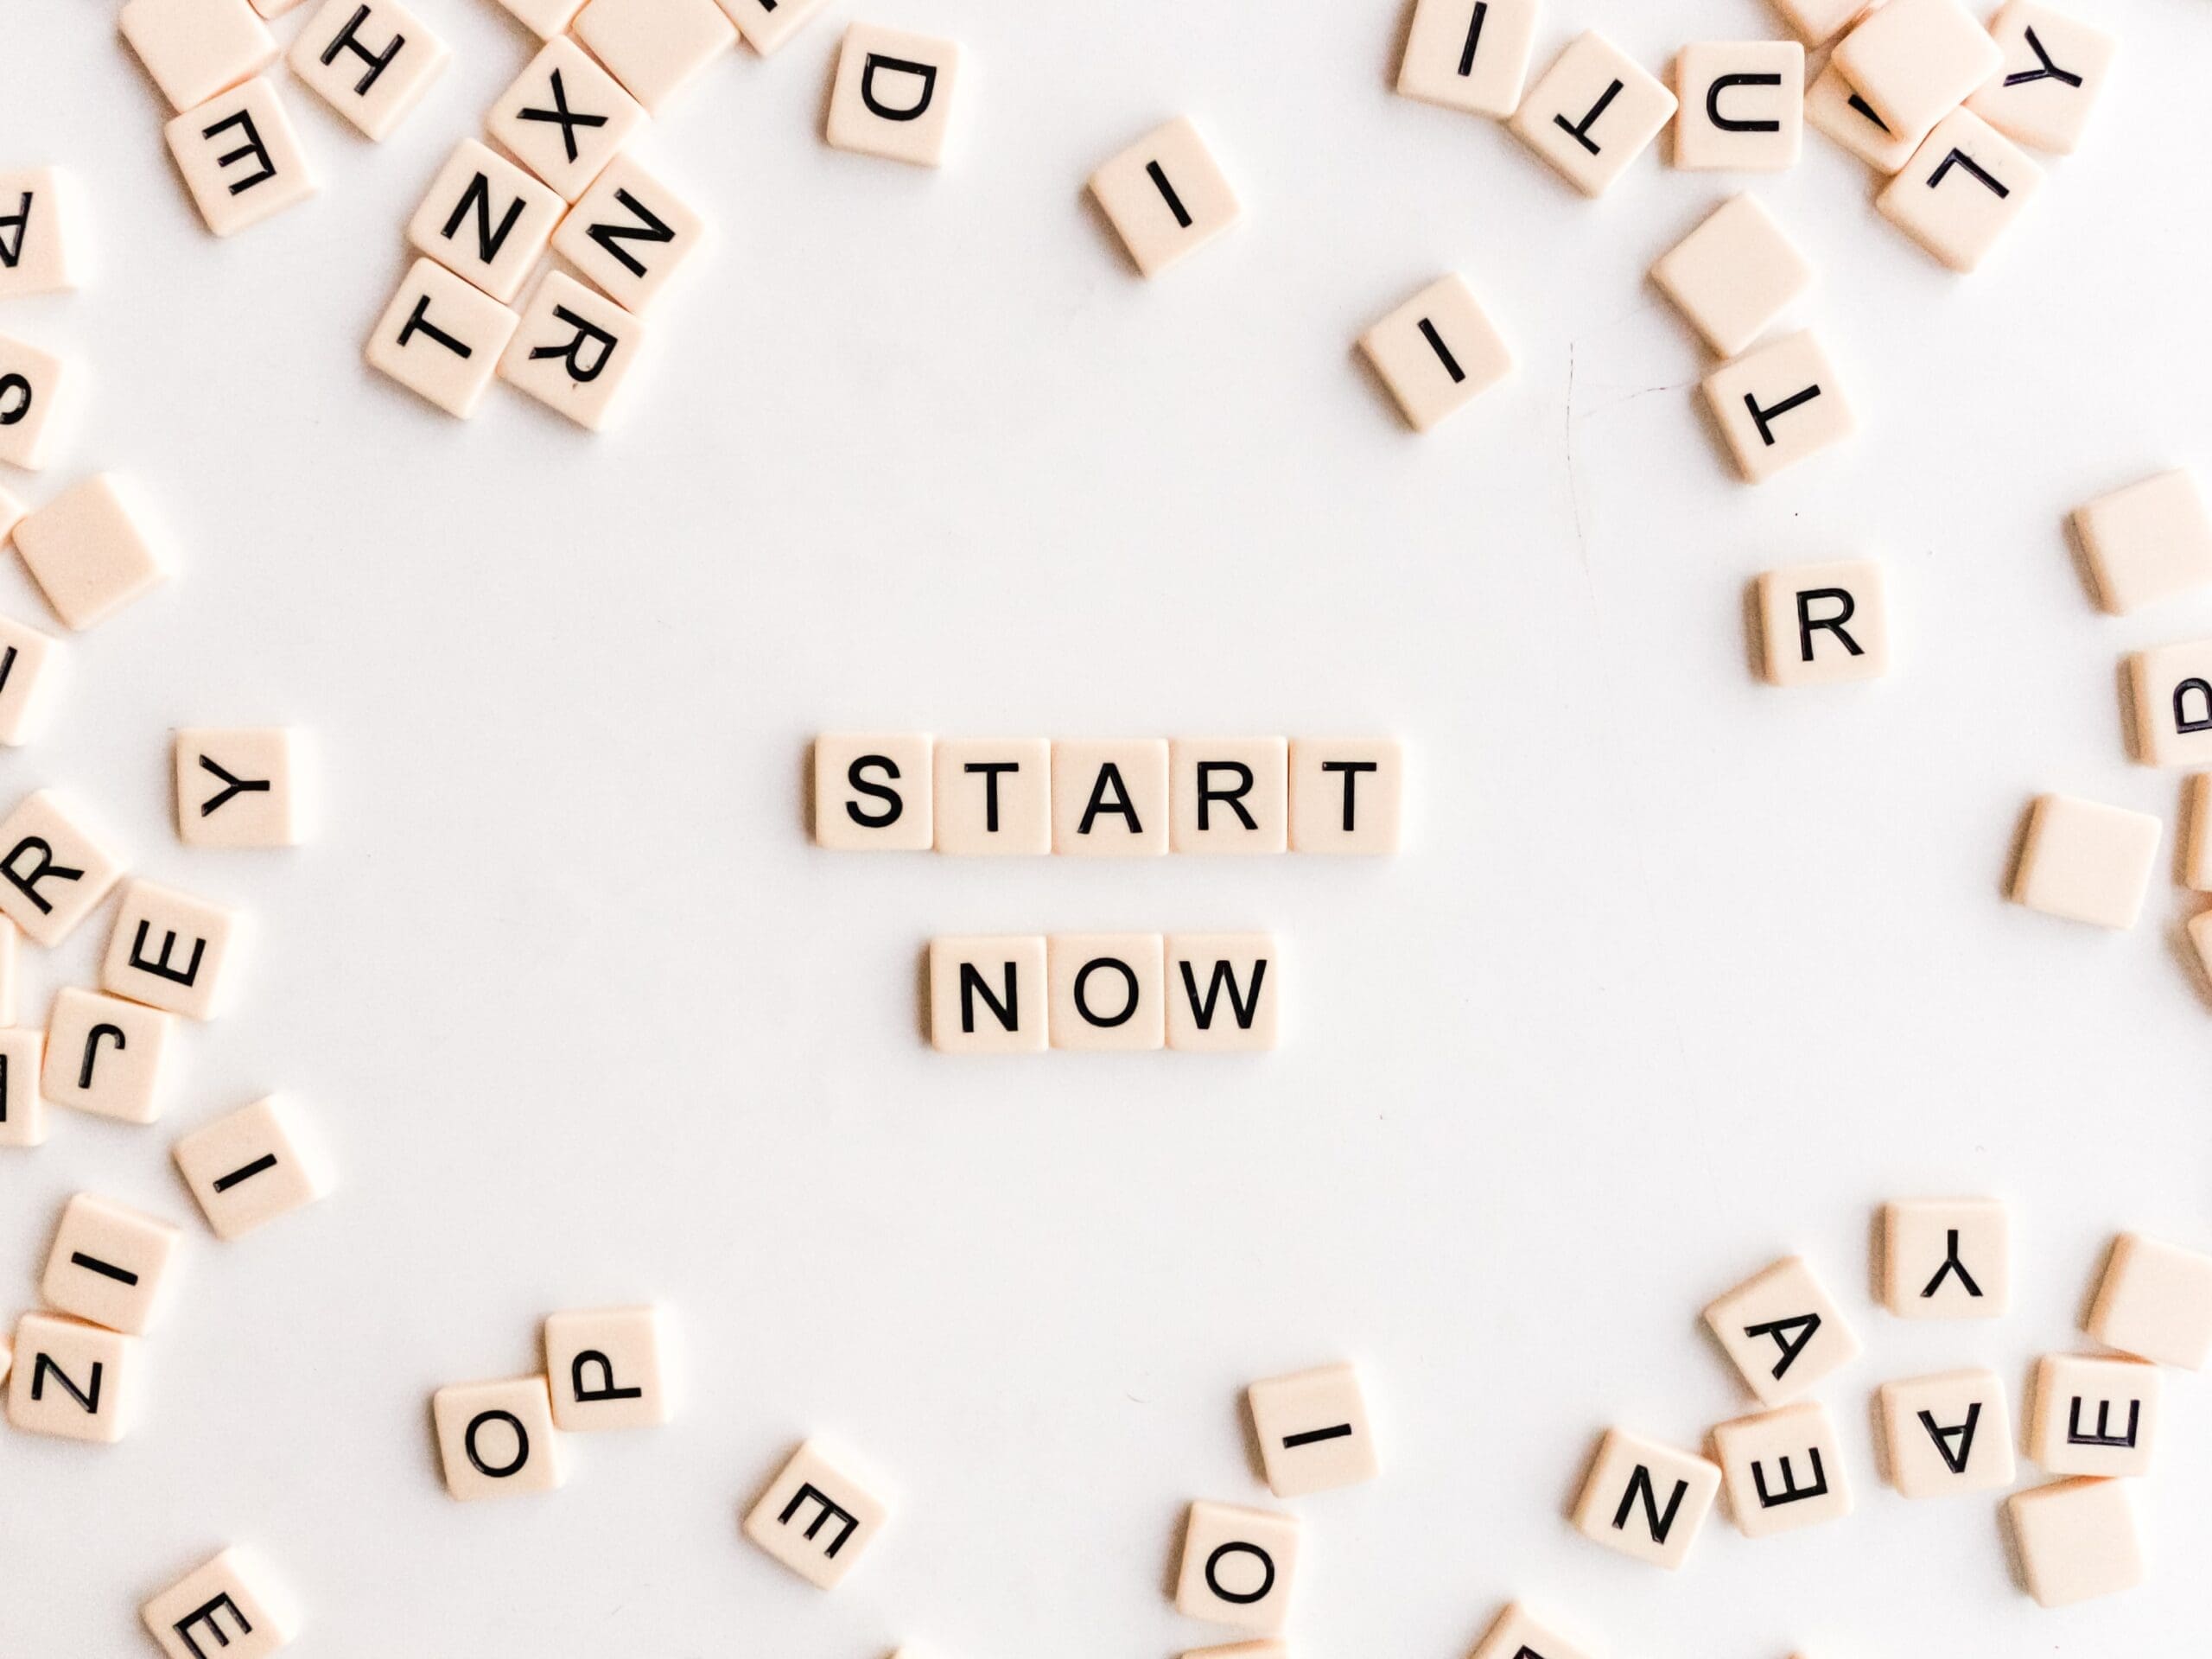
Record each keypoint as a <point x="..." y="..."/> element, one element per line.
<point x="1200" y="993"/>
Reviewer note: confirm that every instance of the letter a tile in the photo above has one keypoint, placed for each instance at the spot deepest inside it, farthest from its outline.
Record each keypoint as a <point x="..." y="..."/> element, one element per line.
<point x="1783" y="1330"/>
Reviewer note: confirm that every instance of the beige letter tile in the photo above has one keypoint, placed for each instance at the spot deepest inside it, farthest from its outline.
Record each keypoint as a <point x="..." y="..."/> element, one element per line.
<point x="1785" y="1470"/>
<point x="606" y="1369"/>
<point x="74" y="1380"/>
<point x="988" y="994"/>
<point x="1743" y="106"/>
<point x="1824" y="624"/>
<point x="1239" y="1567"/>
<point x="2055" y="69"/>
<point x="1165" y="196"/>
<point x="546" y="19"/>
<point x="2093" y="1414"/>
<point x="42" y="232"/>
<point x="1312" y="1431"/>
<point x="1437" y="352"/>
<point x="170" y="950"/>
<point x="232" y="1605"/>
<point x="104" y="1055"/>
<point x="250" y="1166"/>
<point x="629" y="233"/>
<point x="238" y="786"/>
<point x="484" y="218"/>
<point x="1224" y="993"/>
<point x="1110" y="797"/>
<point x="1646" y="1500"/>
<point x="1961" y="190"/>
<point x="1347" y="795"/>
<point x="574" y="350"/>
<point x="240" y="158"/>
<point x="1518" y="1634"/>
<point x="23" y="1110"/>
<point x="1229" y="795"/>
<point x="766" y="24"/>
<point x="564" y="117"/>
<point x="441" y="337"/>
<point x="30" y="668"/>
<point x="818" y="1516"/>
<point x="994" y="796"/>
<point x="1107" y="991"/>
<point x="2080" y="861"/>
<point x="2077" y="1540"/>
<point x="2155" y="1301"/>
<point x="2172" y="688"/>
<point x="1778" y="405"/>
<point x="1946" y="1435"/>
<point x="1947" y="1259"/>
<point x="1783" y="1330"/>
<point x="1595" y="111"/>
<point x="196" y="48"/>
<point x="654" y="47"/>
<point x="1834" y="107"/>
<point x="371" y="61"/>
<point x="1733" y="275"/>
<point x="1819" y="21"/>
<point x="1469" y="54"/>
<point x="2147" y="541"/>
<point x="871" y="791"/>
<point x="34" y="385"/>
<point x="1915" y="61"/>
<point x="56" y="868"/>
<point x="109" y="1264"/>
<point x="496" y="1437"/>
<point x="89" y="552"/>
<point x="893" y="94"/>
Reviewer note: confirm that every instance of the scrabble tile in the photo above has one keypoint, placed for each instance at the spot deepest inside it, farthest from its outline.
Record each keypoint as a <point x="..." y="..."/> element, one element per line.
<point x="1437" y="352"/>
<point x="1107" y="991"/>
<point x="56" y="868"/>
<point x="1518" y="1634"/>
<point x="1824" y="624"/>
<point x="1229" y="795"/>
<point x="2147" y="541"/>
<point x="988" y="994"/>
<point x="109" y="1264"/>
<point x="1469" y="54"/>
<point x="1646" y="1500"/>
<point x="2155" y="1301"/>
<point x="871" y="791"/>
<point x="654" y="47"/>
<point x="441" y="337"/>
<point x="766" y="24"/>
<point x="1834" y="107"/>
<point x="1312" y="1431"/>
<point x="232" y="1605"/>
<point x="34" y="385"/>
<point x="485" y="218"/>
<point x="1593" y="112"/>
<point x="170" y="950"/>
<point x="1961" y="191"/>
<point x="819" y="1516"/>
<point x="2197" y="861"/>
<point x="2093" y="1414"/>
<point x="2170" y="689"/>
<point x="1785" y="1470"/>
<point x="574" y="350"/>
<point x="240" y="786"/>
<point x="547" y="19"/>
<point x="1946" y="1435"/>
<point x="196" y="48"/>
<point x="240" y="158"/>
<point x="250" y="1166"/>
<point x="42" y="232"/>
<point x="371" y="61"/>
<point x="1742" y="106"/>
<point x="1165" y="196"/>
<point x="629" y="233"/>
<point x="1239" y="1567"/>
<point x="1947" y="1259"/>
<point x="89" y="550"/>
<point x="564" y="117"/>
<point x="497" y="1437"/>
<point x="994" y="796"/>
<point x="606" y="1368"/>
<point x="74" y="1380"/>
<point x="1733" y="275"/>
<point x="1347" y="795"/>
<point x="22" y="1108"/>
<point x="2082" y="861"/>
<point x="1110" y="799"/>
<point x="893" y="94"/>
<point x="30" y="668"/>
<point x="1783" y="1330"/>
<point x="1915" y="61"/>
<point x="2077" y="1540"/>
<point x="1778" y="405"/>
<point x="104" y="1055"/>
<point x="2054" y="70"/>
<point x="1224" y="993"/>
<point x="1819" y="21"/>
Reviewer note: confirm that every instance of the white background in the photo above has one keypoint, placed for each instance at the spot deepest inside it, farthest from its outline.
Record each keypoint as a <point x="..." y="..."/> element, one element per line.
<point x="1681" y="972"/>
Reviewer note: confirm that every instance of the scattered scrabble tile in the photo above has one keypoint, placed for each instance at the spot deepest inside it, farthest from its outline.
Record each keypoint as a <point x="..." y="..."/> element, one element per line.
<point x="1437" y="352"/>
<point x="606" y="1368"/>
<point x="238" y="786"/>
<point x="1646" y="1500"/>
<point x="1819" y="21"/>
<point x="1516" y="1634"/>
<point x="56" y="868"/>
<point x="1947" y="1259"/>
<point x="74" y="1380"/>
<point x="232" y="1605"/>
<point x="88" y="551"/>
<point x="1165" y="196"/>
<point x="371" y="61"/>
<point x="2172" y="691"/>
<point x="871" y="791"/>
<point x="1733" y="275"/>
<point x="1824" y="624"/>
<point x="30" y="666"/>
<point x="654" y="47"/>
<point x="33" y="385"/>
<point x="2055" y="69"/>
<point x="546" y="19"/>
<point x="766" y="24"/>
<point x="240" y="158"/>
<point x="41" y="237"/>
<point x="1778" y="405"/>
<point x="1239" y="1567"/>
<point x="818" y="1516"/>
<point x="1347" y="795"/>
<point x="170" y="951"/>
<point x="2077" y="1540"/>
<point x="893" y="94"/>
<point x="1783" y="1330"/>
<point x="1742" y="106"/>
<point x="564" y="117"/>
<point x="250" y="1166"/>
<point x="1961" y="191"/>
<point x="1107" y="990"/>
<point x="2155" y="1301"/>
<point x="1312" y="1431"/>
<point x="2093" y="1414"/>
<point x="1224" y="993"/>
<point x="1946" y="1435"/>
<point x="485" y="218"/>
<point x="988" y="994"/>
<point x="1469" y="54"/>
<point x="109" y="1264"/>
<point x="992" y="796"/>
<point x="196" y="48"/>
<point x="2197" y="858"/>
<point x="22" y="1108"/>
<point x="2082" y="861"/>
<point x="441" y="337"/>
<point x="497" y="1437"/>
<point x="2147" y="541"/>
<point x="1593" y="113"/>
<point x="1834" y="107"/>
<point x="1785" y="1470"/>
<point x="1109" y="797"/>
<point x="629" y="234"/>
<point x="104" y="1055"/>
<point x="573" y="351"/>
<point x="1913" y="61"/>
<point x="1229" y="795"/>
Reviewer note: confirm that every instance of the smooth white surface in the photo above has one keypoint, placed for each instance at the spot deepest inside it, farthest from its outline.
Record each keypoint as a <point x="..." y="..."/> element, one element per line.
<point x="1680" y="973"/>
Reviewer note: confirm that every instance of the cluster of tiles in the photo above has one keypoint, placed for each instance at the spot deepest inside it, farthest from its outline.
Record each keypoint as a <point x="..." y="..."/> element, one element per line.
<point x="2092" y="1420"/>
